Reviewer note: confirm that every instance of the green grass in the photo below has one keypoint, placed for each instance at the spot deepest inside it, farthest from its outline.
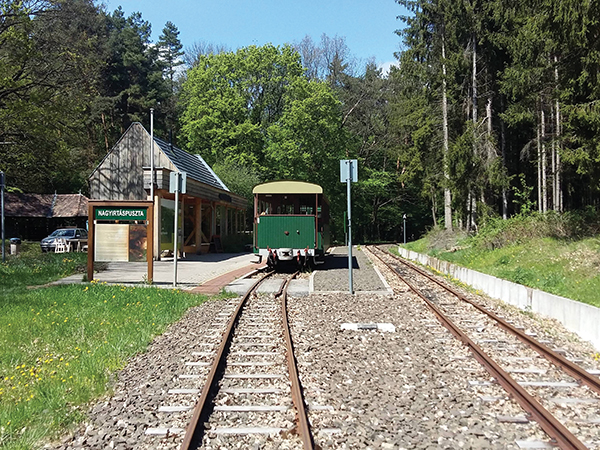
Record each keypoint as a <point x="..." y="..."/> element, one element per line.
<point x="59" y="346"/>
<point x="561" y="262"/>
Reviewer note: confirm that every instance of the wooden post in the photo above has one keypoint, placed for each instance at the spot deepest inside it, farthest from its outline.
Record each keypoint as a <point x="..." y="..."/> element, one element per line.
<point x="157" y="215"/>
<point x="198" y="224"/>
<point x="213" y="222"/>
<point x="150" y="242"/>
<point x="90" y="255"/>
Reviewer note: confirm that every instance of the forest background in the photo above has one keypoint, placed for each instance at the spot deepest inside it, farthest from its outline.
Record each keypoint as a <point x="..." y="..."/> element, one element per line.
<point x="493" y="109"/>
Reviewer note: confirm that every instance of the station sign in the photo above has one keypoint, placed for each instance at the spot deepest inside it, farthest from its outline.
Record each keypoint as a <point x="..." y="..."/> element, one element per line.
<point x="348" y="170"/>
<point x="108" y="213"/>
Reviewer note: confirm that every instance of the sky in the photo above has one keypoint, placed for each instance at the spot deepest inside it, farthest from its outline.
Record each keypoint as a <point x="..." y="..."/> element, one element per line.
<point x="367" y="25"/>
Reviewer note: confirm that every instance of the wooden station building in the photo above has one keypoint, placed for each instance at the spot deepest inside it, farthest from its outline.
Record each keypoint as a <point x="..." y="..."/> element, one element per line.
<point x="208" y="208"/>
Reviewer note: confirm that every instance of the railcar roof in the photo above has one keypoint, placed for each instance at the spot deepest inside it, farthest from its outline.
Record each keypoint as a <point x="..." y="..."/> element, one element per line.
<point x="287" y="187"/>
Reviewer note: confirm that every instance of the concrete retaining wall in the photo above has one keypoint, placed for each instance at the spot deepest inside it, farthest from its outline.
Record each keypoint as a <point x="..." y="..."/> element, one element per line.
<point x="577" y="317"/>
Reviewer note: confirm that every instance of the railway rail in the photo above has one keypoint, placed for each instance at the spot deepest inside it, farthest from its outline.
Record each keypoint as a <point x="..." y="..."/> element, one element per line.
<point x="442" y="307"/>
<point x="249" y="381"/>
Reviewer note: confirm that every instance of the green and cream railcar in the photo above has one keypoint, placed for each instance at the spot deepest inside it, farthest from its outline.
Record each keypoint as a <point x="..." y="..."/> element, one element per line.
<point x="291" y="221"/>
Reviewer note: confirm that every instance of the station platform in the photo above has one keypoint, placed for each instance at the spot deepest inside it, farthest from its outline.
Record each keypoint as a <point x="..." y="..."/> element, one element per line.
<point x="209" y="274"/>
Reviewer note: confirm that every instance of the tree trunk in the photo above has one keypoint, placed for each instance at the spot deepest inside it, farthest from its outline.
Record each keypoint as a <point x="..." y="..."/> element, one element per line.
<point x="433" y="208"/>
<point x="447" y="194"/>
<point x="474" y="98"/>
<point x="105" y="133"/>
<point x="491" y="154"/>
<point x="544" y="158"/>
<point x="503" y="149"/>
<point x="558" y="204"/>
<point x="553" y="157"/>
<point x="472" y="196"/>
<point x="539" y="169"/>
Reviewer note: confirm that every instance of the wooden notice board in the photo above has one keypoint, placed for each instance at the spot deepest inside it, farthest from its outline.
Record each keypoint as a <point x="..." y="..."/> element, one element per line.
<point x="120" y="215"/>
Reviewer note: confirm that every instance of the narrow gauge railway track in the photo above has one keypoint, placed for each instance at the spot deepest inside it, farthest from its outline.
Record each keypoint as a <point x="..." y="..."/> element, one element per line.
<point x="252" y="380"/>
<point x="442" y="307"/>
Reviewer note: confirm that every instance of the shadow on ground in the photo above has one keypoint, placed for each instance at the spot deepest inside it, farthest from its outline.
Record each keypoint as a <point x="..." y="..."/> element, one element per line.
<point x="337" y="262"/>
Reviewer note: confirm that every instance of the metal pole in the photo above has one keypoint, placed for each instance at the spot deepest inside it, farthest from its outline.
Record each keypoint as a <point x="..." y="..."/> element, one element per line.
<point x="176" y="236"/>
<point x="404" y="227"/>
<point x="348" y="184"/>
<point x="152" y="156"/>
<point x="2" y="207"/>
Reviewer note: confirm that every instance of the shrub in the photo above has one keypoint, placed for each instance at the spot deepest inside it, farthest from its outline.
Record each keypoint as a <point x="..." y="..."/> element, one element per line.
<point x="236" y="243"/>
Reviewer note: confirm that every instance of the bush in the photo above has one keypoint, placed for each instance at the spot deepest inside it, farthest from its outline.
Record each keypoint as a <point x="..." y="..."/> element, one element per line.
<point x="520" y="229"/>
<point x="236" y="243"/>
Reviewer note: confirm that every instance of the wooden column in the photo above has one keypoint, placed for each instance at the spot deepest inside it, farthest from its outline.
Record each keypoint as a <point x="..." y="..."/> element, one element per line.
<point x="225" y="232"/>
<point x="213" y="222"/>
<point x="198" y="224"/>
<point x="150" y="242"/>
<point x="90" y="252"/>
<point x="157" y="225"/>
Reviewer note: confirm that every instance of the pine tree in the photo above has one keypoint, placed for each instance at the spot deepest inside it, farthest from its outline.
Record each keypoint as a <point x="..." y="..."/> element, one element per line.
<point x="170" y="51"/>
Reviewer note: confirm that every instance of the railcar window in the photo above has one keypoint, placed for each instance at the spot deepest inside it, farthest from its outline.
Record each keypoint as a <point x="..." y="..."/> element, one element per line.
<point x="306" y="209"/>
<point x="264" y="207"/>
<point x="285" y="209"/>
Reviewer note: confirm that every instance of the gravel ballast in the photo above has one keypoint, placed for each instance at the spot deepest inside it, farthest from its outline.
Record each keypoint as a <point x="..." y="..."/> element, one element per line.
<point x="332" y="276"/>
<point x="414" y="388"/>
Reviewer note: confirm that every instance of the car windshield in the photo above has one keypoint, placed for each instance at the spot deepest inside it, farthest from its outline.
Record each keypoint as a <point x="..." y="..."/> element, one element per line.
<point x="59" y="233"/>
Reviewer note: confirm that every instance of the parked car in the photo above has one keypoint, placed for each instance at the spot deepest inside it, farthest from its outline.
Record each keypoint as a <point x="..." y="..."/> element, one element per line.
<point x="77" y="237"/>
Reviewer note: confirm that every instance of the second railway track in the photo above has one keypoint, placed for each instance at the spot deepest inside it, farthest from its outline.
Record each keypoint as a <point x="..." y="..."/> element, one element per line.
<point x="562" y="397"/>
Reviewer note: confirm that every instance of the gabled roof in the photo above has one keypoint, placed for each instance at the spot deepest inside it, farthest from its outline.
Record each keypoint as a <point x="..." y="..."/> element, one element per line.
<point x="193" y="165"/>
<point x="45" y="205"/>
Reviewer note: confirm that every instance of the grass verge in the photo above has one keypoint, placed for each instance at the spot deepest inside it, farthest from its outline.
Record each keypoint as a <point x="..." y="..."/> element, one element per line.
<point x="60" y="346"/>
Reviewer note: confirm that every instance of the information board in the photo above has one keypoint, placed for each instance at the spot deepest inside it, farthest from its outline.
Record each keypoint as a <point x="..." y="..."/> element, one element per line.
<point x="111" y="242"/>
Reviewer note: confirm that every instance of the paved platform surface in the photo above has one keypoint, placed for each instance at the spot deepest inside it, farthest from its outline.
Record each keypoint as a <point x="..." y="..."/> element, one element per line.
<point x="191" y="271"/>
<point x="210" y="273"/>
<point x="214" y="285"/>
